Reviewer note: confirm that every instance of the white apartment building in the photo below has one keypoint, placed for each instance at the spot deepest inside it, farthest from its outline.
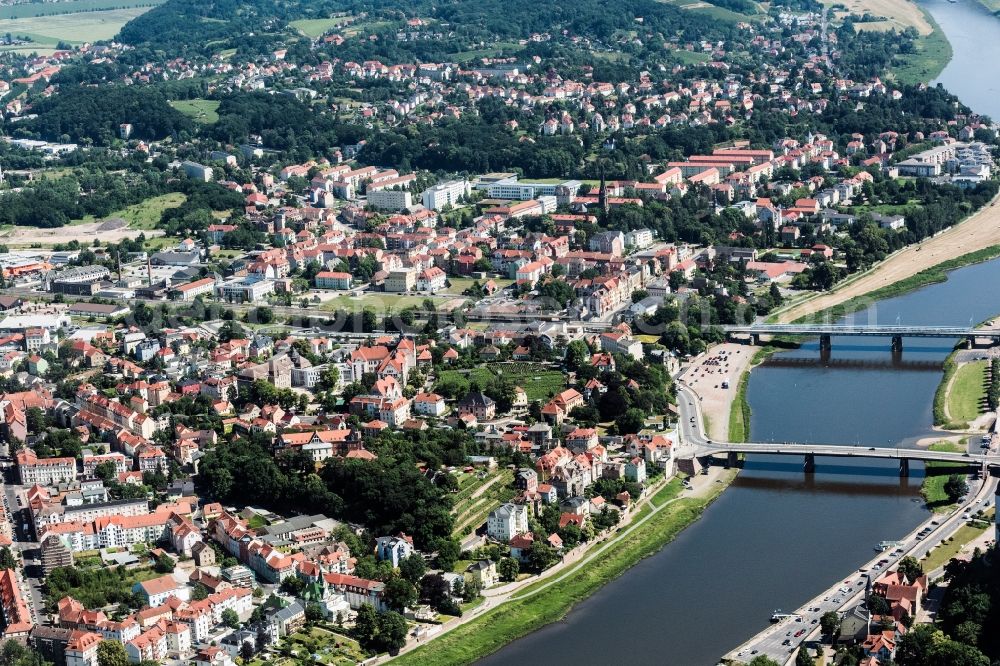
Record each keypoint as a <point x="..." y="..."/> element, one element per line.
<point x="444" y="194"/>
<point x="390" y="199"/>
<point x="197" y="171"/>
<point x="507" y="521"/>
<point x="45" y="471"/>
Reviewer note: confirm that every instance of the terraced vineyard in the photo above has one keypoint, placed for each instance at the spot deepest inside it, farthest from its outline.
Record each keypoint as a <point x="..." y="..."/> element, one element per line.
<point x="476" y="498"/>
<point x="538" y="381"/>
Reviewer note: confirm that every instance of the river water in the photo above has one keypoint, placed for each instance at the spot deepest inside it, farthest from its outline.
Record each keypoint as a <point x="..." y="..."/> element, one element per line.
<point x="974" y="35"/>
<point x="777" y="537"/>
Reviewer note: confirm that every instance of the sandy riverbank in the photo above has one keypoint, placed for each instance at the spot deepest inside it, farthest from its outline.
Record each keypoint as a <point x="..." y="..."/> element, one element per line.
<point x="722" y="363"/>
<point x="980" y="231"/>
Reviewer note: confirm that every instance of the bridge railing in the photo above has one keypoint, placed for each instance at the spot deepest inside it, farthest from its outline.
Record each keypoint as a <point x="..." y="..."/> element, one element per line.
<point x="834" y="329"/>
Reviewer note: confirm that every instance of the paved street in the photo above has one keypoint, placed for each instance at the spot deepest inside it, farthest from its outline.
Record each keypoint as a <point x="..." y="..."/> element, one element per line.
<point x="780" y="641"/>
<point x="24" y="545"/>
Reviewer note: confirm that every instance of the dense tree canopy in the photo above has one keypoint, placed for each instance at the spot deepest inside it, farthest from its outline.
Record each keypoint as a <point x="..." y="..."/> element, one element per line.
<point x="84" y="114"/>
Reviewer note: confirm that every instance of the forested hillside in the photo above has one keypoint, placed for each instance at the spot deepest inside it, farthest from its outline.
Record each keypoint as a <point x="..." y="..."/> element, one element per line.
<point x="180" y="26"/>
<point x="84" y="114"/>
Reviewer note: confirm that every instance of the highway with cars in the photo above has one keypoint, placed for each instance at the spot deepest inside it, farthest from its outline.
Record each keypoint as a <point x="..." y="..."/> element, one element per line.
<point x="781" y="640"/>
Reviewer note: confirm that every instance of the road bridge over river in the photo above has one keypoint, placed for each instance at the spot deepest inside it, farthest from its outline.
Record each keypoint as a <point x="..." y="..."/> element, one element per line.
<point x="826" y="331"/>
<point x="697" y="444"/>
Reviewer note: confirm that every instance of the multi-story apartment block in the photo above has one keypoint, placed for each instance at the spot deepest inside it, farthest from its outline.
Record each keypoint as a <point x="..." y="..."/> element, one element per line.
<point x="33" y="470"/>
<point x="444" y="194"/>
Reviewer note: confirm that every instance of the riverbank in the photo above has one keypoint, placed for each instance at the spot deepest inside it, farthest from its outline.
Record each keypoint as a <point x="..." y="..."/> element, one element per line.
<point x="656" y="524"/>
<point x="932" y="50"/>
<point x="739" y="408"/>
<point x="937" y="473"/>
<point x="992" y="6"/>
<point x="716" y="377"/>
<point x="932" y="53"/>
<point x="895" y="280"/>
<point x="973" y="240"/>
<point x="958" y="400"/>
<point x="965" y="398"/>
<point x="941" y="397"/>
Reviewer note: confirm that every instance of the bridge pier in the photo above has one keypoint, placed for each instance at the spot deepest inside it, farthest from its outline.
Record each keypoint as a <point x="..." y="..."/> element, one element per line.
<point x="810" y="464"/>
<point x="904" y="467"/>
<point x="824" y="343"/>
<point x="754" y="339"/>
<point x="824" y="355"/>
<point x="732" y="459"/>
<point x="897" y="343"/>
<point x="970" y="342"/>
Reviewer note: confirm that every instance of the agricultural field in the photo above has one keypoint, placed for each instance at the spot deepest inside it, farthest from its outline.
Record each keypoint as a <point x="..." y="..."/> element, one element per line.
<point x="73" y="28"/>
<point x="44" y="51"/>
<point x="199" y="110"/>
<point x="538" y="382"/>
<point x="366" y="27"/>
<point x="689" y="57"/>
<point x="145" y="215"/>
<point x="30" y="9"/>
<point x="719" y="13"/>
<point x="318" y="27"/>
<point x="898" y="14"/>
<point x="479" y="375"/>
